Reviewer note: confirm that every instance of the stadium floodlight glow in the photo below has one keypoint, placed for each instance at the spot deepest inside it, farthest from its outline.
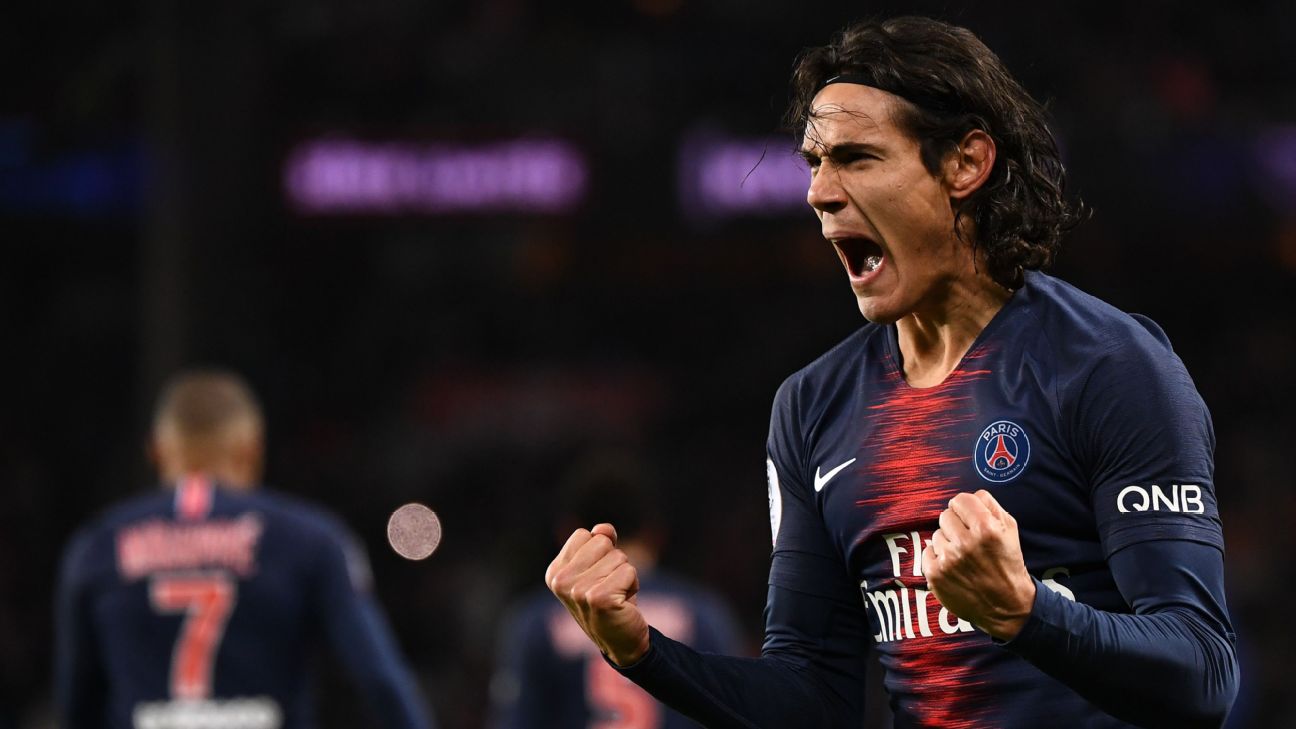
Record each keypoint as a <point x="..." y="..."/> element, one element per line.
<point x="724" y="177"/>
<point x="336" y="176"/>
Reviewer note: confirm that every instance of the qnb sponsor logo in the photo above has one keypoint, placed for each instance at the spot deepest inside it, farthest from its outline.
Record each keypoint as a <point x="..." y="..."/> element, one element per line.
<point x="1183" y="498"/>
<point x="905" y="612"/>
<point x="250" y="713"/>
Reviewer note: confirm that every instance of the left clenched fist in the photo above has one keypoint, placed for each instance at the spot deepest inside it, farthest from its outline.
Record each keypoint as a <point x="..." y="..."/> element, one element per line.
<point x="974" y="565"/>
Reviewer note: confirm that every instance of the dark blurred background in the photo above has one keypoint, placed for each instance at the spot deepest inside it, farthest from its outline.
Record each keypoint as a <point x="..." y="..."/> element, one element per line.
<point x="456" y="246"/>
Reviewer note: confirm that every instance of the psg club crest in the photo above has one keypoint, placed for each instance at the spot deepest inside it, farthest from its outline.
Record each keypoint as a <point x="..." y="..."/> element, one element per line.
<point x="1002" y="451"/>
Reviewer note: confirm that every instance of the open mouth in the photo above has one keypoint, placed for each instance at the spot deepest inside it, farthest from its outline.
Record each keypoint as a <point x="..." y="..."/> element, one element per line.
<point x="861" y="256"/>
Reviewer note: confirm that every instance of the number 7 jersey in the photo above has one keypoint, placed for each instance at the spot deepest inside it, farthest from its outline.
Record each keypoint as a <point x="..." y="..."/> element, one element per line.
<point x="203" y="606"/>
<point x="1078" y="418"/>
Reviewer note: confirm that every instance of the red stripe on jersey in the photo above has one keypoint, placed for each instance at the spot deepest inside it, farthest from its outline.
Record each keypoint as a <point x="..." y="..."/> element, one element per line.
<point x="918" y="444"/>
<point x="915" y="448"/>
<point x="951" y="692"/>
<point x="193" y="500"/>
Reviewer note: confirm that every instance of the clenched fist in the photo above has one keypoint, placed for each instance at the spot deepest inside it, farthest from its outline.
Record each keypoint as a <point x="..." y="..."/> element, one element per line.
<point x="974" y="565"/>
<point x="597" y="584"/>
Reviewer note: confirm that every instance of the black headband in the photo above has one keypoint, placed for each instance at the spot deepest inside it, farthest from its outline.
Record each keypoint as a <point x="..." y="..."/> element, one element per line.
<point x="924" y="102"/>
<point x="853" y="78"/>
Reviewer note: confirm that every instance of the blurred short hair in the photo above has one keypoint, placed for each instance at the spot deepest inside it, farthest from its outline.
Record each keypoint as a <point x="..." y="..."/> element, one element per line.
<point x="203" y="403"/>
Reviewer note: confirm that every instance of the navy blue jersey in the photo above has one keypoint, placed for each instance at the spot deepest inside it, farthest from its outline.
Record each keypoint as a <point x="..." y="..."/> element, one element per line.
<point x="1085" y="426"/>
<point x="551" y="675"/>
<point x="203" y="606"/>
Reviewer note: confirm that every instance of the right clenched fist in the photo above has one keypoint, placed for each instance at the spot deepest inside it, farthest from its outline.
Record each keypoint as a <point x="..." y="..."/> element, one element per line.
<point x="597" y="584"/>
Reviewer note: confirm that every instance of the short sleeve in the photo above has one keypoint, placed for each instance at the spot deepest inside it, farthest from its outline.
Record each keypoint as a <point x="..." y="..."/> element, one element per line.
<point x="1147" y="445"/>
<point x="804" y="559"/>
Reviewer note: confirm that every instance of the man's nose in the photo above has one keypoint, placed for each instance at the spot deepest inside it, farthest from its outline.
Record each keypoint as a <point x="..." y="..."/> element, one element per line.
<point x="826" y="194"/>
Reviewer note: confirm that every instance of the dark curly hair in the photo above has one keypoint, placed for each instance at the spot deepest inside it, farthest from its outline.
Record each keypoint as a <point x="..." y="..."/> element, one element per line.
<point x="954" y="84"/>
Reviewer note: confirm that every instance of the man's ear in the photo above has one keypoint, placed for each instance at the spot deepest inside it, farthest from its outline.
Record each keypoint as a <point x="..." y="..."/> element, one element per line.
<point x="969" y="165"/>
<point x="251" y="454"/>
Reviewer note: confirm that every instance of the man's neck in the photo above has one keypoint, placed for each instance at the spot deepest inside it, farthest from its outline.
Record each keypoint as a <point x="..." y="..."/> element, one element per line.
<point x="229" y="476"/>
<point x="934" y="340"/>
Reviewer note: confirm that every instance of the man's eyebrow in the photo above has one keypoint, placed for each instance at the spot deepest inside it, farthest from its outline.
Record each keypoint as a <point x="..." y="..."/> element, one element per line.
<point x="837" y="152"/>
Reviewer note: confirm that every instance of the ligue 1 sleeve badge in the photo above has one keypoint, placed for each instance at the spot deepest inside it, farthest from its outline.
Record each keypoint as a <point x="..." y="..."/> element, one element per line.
<point x="1001" y="451"/>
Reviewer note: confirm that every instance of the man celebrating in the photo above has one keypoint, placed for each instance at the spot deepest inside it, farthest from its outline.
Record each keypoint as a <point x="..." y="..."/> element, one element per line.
<point x="204" y="604"/>
<point x="1000" y="484"/>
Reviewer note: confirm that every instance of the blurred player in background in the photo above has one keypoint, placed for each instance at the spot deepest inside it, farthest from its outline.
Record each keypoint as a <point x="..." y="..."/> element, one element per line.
<point x="1002" y="485"/>
<point x="206" y="603"/>
<point x="549" y="674"/>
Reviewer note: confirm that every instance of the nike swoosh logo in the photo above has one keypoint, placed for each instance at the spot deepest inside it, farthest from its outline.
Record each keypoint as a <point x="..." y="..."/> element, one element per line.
<point x="821" y="481"/>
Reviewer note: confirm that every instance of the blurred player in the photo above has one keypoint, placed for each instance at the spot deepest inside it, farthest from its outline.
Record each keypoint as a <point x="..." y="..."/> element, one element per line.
<point x="205" y="603"/>
<point x="549" y="674"/>
<point x="1001" y="484"/>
